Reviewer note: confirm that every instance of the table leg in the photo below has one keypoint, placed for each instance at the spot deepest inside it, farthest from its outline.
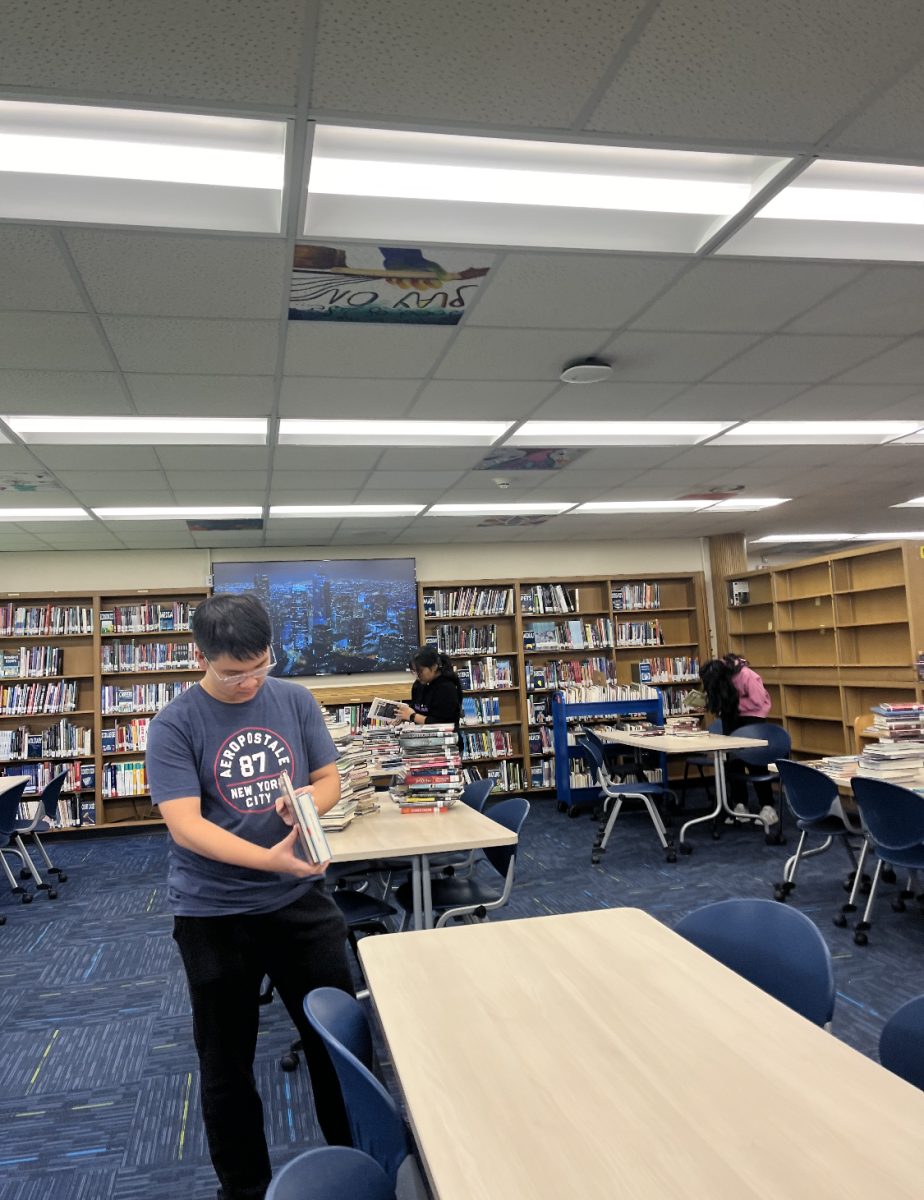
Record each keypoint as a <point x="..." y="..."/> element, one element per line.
<point x="427" y="895"/>
<point x="417" y="891"/>
<point x="721" y="800"/>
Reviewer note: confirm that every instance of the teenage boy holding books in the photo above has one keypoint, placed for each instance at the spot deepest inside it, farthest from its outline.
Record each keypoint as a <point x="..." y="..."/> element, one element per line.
<point x="246" y="904"/>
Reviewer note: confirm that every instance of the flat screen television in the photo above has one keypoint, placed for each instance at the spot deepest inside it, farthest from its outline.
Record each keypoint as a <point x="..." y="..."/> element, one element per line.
<point x="333" y="616"/>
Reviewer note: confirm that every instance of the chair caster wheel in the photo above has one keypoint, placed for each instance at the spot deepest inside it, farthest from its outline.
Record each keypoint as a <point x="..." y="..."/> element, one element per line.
<point x="775" y="839"/>
<point x="52" y="894"/>
<point x="898" y="906"/>
<point x="840" y="921"/>
<point x="860" y="938"/>
<point x="888" y="875"/>
<point x="62" y="878"/>
<point x="573" y="812"/>
<point x="24" y="873"/>
<point x="289" y="1062"/>
<point x="781" y="892"/>
<point x="672" y="856"/>
<point x="686" y="848"/>
<point x="2" y="920"/>
<point x="562" y="807"/>
<point x="594" y="859"/>
<point x="27" y="898"/>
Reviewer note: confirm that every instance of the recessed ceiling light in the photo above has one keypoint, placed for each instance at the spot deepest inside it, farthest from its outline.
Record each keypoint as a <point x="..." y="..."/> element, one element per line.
<point x="490" y="508"/>
<point x="177" y="514"/>
<point x="132" y="430"/>
<point x="748" y="504"/>
<point x="44" y="514"/>
<point x="814" y="433"/>
<point x="641" y="506"/>
<point x="904" y="536"/>
<point x="805" y="537"/>
<point x="915" y="502"/>
<point x="298" y="432"/>
<point x="345" y="510"/>
<point x="615" y="433"/>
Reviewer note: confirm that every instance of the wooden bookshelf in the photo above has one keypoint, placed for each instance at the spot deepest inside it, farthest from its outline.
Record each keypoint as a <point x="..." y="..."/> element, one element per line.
<point x="831" y="637"/>
<point x="554" y="630"/>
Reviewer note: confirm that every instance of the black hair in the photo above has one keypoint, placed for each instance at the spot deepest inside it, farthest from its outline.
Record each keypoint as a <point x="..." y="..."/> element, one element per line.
<point x="721" y="693"/>
<point x="238" y="626"/>
<point x="734" y="662"/>
<point x="429" y="656"/>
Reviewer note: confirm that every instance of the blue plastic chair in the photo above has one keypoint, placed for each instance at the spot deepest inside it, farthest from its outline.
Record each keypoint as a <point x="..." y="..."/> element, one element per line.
<point x="776" y="948"/>
<point x="331" y="1173"/>
<point x="815" y="802"/>
<point x="618" y="793"/>
<point x="376" y="1125"/>
<point x="44" y="819"/>
<point x="894" y="821"/>
<point x="901" y="1043"/>
<point x="11" y="842"/>
<point x="779" y="745"/>
<point x="471" y="899"/>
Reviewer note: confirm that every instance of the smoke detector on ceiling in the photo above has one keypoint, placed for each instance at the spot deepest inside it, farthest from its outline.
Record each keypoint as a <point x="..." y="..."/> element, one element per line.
<point x="586" y="370"/>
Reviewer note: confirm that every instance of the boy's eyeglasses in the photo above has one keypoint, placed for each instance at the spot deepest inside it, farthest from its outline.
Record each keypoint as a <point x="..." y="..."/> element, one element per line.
<point x="244" y="676"/>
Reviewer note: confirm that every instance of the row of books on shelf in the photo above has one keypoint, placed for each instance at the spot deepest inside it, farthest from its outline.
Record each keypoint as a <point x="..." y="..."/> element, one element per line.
<point x="81" y="776"/>
<point x="60" y="740"/>
<point x="548" y="598"/>
<point x="468" y="602"/>
<point x="485" y="743"/>
<point x="639" y="633"/>
<point x="481" y="710"/>
<point x="564" y="672"/>
<point x="141" y="697"/>
<point x="146" y="618"/>
<point x="32" y="662"/>
<point x="129" y="737"/>
<point x="71" y="811"/>
<point x="578" y="634"/>
<point x="629" y="596"/>
<point x="124" y="779"/>
<point x="682" y="668"/>
<point x="464" y="639"/>
<point x="39" y="620"/>
<point x="485" y="674"/>
<point x="35" y="699"/>
<point x="149" y="656"/>
<point x="507" y="776"/>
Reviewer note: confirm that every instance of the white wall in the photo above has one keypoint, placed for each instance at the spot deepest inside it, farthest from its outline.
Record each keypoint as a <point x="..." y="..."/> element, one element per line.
<point x="112" y="570"/>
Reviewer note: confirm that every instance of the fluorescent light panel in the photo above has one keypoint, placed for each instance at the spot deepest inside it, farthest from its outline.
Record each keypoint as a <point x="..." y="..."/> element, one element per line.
<point x="515" y="191"/>
<point x="205" y="512"/>
<point x="616" y="433"/>
<point x="748" y="504"/>
<point x="641" y="506"/>
<point x="44" y="514"/>
<point x="345" y="510"/>
<point x="490" y="509"/>
<point x="781" y="538"/>
<point x="134" y="167"/>
<point x="297" y="432"/>
<point x="816" y="433"/>
<point x="130" y="430"/>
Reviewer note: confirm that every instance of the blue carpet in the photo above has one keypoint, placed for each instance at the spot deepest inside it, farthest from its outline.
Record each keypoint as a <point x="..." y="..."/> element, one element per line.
<point x="98" y="1074"/>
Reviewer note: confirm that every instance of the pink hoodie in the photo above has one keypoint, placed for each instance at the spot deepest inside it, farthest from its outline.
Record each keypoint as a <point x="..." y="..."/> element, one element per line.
<point x="753" y="698"/>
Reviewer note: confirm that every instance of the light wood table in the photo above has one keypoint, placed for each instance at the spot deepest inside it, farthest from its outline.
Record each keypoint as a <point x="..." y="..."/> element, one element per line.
<point x="389" y="833"/>
<point x="600" y="1056"/>
<point x="8" y="782"/>
<point x="716" y="744"/>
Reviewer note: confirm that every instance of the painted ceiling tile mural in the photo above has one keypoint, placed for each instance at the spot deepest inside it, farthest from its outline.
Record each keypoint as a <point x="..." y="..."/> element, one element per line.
<point x="385" y="284"/>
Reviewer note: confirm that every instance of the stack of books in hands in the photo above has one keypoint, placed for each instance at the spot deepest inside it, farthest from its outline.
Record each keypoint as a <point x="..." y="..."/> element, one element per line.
<point x="311" y="836"/>
<point x="431" y="769"/>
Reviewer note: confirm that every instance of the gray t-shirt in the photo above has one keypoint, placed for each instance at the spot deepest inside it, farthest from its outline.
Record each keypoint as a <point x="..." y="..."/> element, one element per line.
<point x="230" y="755"/>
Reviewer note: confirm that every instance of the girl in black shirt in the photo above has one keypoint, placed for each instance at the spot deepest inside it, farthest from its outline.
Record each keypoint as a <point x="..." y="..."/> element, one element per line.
<point x="436" y="697"/>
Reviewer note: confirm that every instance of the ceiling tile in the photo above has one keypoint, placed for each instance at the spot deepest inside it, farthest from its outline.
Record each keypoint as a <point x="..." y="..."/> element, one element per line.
<point x="202" y="395"/>
<point x="17" y="458"/>
<point x="325" y="459"/>
<point x="51" y="341"/>
<point x="886" y="300"/>
<point x="431" y="459"/>
<point x="473" y="399"/>
<point x="890" y="126"/>
<point x="174" y="346"/>
<point x="766" y="75"/>
<point x="246" y="52"/>
<point x="183" y="276"/>
<point x="626" y="458"/>
<point x="103" y="496"/>
<point x="570" y="291"/>
<point x="727" y="401"/>
<point x="836" y="401"/>
<point x="790" y="359"/>
<point x="98" y="458"/>
<point x="309" y="494"/>
<point x="216" y="481"/>
<point x="49" y="392"/>
<point x="669" y="357"/>
<point x="613" y="401"/>
<point x="370" y="351"/>
<point x="501" y="65"/>
<point x="516" y="354"/>
<point x="397" y="480"/>
<point x="755" y="297"/>
<point x="305" y="396"/>
<point x="34" y="274"/>
<point x="316" y="481"/>
<point x="214" y="458"/>
<point x="902" y="364"/>
<point x="149" y="481"/>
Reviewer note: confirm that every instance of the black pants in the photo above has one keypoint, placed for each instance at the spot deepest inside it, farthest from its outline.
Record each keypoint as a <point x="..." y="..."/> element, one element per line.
<point x="300" y="947"/>
<point x="736" y="772"/>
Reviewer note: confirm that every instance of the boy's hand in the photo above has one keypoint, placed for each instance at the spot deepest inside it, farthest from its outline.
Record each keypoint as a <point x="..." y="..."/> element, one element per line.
<point x="284" y="859"/>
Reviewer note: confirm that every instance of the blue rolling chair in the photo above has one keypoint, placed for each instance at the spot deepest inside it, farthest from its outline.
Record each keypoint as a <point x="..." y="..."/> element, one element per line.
<point x="816" y="804"/>
<point x="376" y="1125"/>
<point x="894" y="820"/>
<point x="776" y="948"/>
<point x="618" y="793"/>
<point x="471" y="899"/>
<point x="11" y="843"/>
<point x="331" y="1173"/>
<point x="701" y="762"/>
<point x="44" y="819"/>
<point x="779" y="745"/>
<point x="901" y="1043"/>
<point x="462" y="862"/>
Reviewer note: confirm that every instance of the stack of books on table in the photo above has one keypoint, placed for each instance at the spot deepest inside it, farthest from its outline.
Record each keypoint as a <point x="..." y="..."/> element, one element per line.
<point x="354" y="765"/>
<point x="897" y="763"/>
<point x="383" y="749"/>
<point x="840" y="767"/>
<point x="683" y="725"/>
<point x="431" y="770"/>
<point x="898" y="722"/>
